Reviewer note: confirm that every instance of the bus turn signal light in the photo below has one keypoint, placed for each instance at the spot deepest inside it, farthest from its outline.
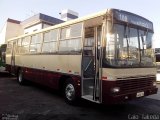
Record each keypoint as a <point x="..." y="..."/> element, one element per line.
<point x="104" y="78"/>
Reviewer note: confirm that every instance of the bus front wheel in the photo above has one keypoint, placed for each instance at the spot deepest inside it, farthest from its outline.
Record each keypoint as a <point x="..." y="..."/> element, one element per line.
<point x="70" y="92"/>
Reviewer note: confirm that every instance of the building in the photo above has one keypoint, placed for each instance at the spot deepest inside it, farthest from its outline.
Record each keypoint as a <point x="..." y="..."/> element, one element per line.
<point x="39" y="21"/>
<point x="68" y="14"/>
<point x="11" y="28"/>
<point x="14" y="28"/>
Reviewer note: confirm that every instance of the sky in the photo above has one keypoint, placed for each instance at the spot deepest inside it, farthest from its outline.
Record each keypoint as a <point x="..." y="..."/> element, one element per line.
<point x="23" y="9"/>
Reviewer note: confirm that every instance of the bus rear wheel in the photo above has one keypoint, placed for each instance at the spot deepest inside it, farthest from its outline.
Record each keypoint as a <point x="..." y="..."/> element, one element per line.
<point x="20" y="78"/>
<point x="70" y="92"/>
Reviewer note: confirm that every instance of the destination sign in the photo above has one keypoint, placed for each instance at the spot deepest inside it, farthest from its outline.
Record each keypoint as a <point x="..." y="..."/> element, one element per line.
<point x="132" y="18"/>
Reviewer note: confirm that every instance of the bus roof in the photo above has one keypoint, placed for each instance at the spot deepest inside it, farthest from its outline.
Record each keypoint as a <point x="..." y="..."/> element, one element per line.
<point x="94" y="15"/>
<point x="143" y="22"/>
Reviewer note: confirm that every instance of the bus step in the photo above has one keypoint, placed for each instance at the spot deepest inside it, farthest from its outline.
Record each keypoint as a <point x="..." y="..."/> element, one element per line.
<point x="88" y="78"/>
<point x="90" y="98"/>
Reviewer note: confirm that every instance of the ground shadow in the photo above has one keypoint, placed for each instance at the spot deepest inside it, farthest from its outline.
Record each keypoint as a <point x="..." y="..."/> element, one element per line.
<point x="4" y="74"/>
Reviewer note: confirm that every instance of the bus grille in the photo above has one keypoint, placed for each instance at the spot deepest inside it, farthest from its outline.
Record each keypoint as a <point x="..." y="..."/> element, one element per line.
<point x="135" y="84"/>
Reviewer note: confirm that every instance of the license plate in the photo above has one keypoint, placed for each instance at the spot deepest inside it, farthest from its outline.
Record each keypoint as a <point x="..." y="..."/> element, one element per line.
<point x="140" y="94"/>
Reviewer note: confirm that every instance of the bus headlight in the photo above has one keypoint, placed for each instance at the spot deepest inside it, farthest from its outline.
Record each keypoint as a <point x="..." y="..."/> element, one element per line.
<point x="154" y="83"/>
<point x="115" y="90"/>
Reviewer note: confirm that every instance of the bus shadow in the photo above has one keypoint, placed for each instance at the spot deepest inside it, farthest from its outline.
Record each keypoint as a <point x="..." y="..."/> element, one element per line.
<point x="4" y="74"/>
<point x="42" y="88"/>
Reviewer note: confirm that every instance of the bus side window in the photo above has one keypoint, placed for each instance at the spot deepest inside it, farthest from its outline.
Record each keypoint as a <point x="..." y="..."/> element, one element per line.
<point x="9" y="46"/>
<point x="25" y="44"/>
<point x="19" y="45"/>
<point x="50" y="41"/>
<point x="76" y="30"/>
<point x="35" y="45"/>
<point x="70" y="45"/>
<point x="70" y="40"/>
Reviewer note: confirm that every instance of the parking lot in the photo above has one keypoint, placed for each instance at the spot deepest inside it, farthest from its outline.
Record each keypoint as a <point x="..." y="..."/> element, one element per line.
<point x="37" y="102"/>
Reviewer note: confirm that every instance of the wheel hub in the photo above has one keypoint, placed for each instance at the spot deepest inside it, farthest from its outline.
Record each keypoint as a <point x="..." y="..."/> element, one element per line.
<point x="70" y="92"/>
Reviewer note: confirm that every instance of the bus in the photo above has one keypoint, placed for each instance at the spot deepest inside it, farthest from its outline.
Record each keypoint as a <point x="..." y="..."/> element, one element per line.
<point x="104" y="57"/>
<point x="2" y="55"/>
<point x="157" y="53"/>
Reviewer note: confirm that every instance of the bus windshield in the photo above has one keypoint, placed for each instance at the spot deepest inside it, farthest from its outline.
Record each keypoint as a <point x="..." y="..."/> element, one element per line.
<point x="129" y="47"/>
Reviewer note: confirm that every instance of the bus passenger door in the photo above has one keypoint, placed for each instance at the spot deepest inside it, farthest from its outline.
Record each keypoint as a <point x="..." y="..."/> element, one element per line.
<point x="91" y="84"/>
<point x="13" y="58"/>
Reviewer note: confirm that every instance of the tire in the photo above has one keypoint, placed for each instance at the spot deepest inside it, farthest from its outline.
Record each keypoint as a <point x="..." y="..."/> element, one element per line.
<point x="70" y="92"/>
<point x="20" y="78"/>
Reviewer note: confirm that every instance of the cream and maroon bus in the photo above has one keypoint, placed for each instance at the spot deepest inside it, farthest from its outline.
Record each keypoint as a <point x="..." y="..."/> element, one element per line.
<point x="104" y="57"/>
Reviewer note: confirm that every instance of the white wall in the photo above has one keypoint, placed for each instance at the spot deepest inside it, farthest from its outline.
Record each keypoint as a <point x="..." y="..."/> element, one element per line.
<point x="33" y="28"/>
<point x="13" y="30"/>
<point x="64" y="13"/>
<point x="69" y="11"/>
<point x="3" y="34"/>
<point x="10" y="30"/>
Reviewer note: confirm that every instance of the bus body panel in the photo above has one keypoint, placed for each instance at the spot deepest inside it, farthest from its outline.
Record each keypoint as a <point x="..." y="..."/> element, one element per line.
<point x="54" y="80"/>
<point x="49" y="69"/>
<point x="70" y="64"/>
<point x="127" y="72"/>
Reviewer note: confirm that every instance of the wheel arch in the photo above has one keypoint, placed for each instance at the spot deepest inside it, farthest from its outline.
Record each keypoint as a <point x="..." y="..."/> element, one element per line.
<point x="62" y="81"/>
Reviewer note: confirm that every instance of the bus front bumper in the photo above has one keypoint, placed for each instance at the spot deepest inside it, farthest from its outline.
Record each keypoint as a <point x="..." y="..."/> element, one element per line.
<point x="120" y="98"/>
